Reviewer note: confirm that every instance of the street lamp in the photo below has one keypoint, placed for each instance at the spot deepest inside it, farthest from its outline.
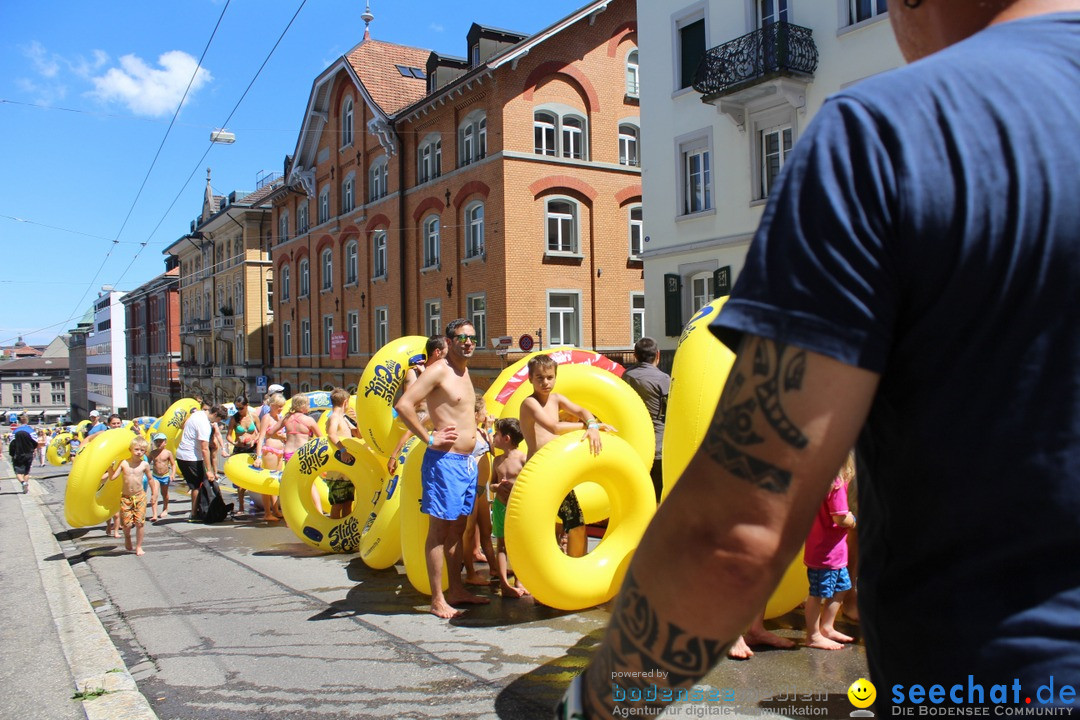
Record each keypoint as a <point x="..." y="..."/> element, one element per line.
<point x="222" y="136"/>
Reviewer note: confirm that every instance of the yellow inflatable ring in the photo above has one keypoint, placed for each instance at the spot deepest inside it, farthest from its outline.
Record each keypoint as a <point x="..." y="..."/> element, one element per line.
<point x="380" y="539"/>
<point x="242" y="473"/>
<point x="81" y="428"/>
<point x="172" y="422"/>
<point x="58" y="451"/>
<point x="556" y="579"/>
<point x="380" y="384"/>
<point x="86" y="501"/>
<point x="304" y="468"/>
<point x="698" y="373"/>
<point x="414" y="523"/>
<point x="792" y="590"/>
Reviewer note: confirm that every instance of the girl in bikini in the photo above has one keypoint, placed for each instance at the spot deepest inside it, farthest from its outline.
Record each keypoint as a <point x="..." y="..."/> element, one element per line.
<point x="243" y="434"/>
<point x="269" y="451"/>
<point x="299" y="428"/>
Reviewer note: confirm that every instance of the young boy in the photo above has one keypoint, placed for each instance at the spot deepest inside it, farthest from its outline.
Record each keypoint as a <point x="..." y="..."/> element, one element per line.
<point x="341" y="490"/>
<point x="504" y="472"/>
<point x="132" y="495"/>
<point x="540" y="423"/>
<point x="163" y="470"/>
<point x="477" y="536"/>
<point x="826" y="559"/>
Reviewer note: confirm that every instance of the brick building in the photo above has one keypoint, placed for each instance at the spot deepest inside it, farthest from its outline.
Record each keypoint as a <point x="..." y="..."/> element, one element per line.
<point x="153" y="343"/>
<point x="503" y="186"/>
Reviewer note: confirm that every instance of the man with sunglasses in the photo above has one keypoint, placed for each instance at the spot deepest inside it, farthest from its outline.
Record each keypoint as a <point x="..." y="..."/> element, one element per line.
<point x="449" y="470"/>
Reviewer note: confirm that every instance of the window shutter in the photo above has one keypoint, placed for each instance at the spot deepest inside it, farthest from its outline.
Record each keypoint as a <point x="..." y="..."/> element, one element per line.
<point x="721" y="282"/>
<point x="673" y="322"/>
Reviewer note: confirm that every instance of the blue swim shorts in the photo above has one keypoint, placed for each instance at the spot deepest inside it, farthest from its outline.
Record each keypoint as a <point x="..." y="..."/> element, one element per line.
<point x="449" y="484"/>
<point x="824" y="582"/>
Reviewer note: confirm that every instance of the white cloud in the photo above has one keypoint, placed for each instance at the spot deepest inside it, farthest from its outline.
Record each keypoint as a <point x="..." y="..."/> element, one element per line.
<point x="151" y="91"/>
<point x="436" y="27"/>
<point x="45" y="63"/>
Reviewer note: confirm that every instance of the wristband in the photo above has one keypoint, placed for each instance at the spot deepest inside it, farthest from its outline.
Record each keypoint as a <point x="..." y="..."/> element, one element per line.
<point x="592" y="424"/>
<point x="431" y="438"/>
<point x="571" y="707"/>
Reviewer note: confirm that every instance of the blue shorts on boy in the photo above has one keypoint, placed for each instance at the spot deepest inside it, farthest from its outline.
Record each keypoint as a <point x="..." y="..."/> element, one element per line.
<point x="826" y="582"/>
<point x="449" y="484"/>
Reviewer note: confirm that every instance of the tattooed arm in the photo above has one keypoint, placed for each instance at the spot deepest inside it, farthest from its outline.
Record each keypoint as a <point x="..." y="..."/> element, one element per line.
<point x="723" y="538"/>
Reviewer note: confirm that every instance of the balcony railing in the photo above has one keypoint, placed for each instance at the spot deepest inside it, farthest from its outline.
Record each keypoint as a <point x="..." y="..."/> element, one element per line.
<point x="223" y="322"/>
<point x="779" y="49"/>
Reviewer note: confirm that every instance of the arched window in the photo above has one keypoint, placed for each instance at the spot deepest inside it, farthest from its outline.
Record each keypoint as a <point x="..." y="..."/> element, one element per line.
<point x="637" y="244"/>
<point x="326" y="260"/>
<point x="561" y="216"/>
<point x="352" y="260"/>
<point x="324" y="205"/>
<point x="560" y="132"/>
<point x="302" y="222"/>
<point x="632" y="76"/>
<point x="304" y="269"/>
<point x="629" y="153"/>
<point x="286" y="286"/>
<point x="347" y="122"/>
<point x="474" y="229"/>
<point x="573" y="137"/>
<point x="472" y="138"/>
<point x="544" y="133"/>
<point x="348" y="194"/>
<point x="429" y="158"/>
<point x="283" y="227"/>
<point x="378" y="254"/>
<point x="431" y="241"/>
<point x="378" y="176"/>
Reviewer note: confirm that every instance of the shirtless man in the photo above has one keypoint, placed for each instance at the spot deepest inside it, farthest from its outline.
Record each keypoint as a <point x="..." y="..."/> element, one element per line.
<point x="449" y="470"/>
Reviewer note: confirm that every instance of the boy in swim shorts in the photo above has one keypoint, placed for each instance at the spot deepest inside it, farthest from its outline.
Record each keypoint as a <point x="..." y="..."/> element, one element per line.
<point x="340" y="489"/>
<point x="504" y="471"/>
<point x="163" y="472"/>
<point x="132" y="496"/>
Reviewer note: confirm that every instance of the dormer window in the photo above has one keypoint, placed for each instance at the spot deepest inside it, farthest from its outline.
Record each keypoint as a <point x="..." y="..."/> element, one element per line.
<point x="474" y="54"/>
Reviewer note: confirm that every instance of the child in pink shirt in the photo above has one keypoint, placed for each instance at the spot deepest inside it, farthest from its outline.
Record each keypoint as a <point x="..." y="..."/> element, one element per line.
<point x="826" y="559"/>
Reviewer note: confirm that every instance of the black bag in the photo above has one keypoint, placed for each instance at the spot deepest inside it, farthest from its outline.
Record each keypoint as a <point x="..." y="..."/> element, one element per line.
<point x="212" y="507"/>
<point x="22" y="447"/>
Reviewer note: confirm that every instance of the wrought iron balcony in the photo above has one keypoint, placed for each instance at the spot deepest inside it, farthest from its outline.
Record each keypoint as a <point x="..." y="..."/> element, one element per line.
<point x="777" y="50"/>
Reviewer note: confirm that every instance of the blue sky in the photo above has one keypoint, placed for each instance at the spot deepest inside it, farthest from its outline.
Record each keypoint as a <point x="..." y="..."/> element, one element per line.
<point x="88" y="91"/>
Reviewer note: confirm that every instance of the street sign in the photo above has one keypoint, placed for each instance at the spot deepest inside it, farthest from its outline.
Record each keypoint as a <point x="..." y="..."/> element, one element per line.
<point x="261" y="383"/>
<point x="525" y="342"/>
<point x="502" y="342"/>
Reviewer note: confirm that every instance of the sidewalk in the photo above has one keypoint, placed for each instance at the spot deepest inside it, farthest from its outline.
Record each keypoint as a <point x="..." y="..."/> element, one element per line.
<point x="54" y="645"/>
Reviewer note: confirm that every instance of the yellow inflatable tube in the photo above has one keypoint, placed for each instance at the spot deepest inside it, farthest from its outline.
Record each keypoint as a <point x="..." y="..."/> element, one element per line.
<point x="87" y="501"/>
<point x="58" y="451"/>
<point x="414" y="524"/>
<point x="172" y="422"/>
<point x="379" y="386"/>
<point x="242" y="473"/>
<point x="380" y="539"/>
<point x="556" y="579"/>
<point x="304" y="468"/>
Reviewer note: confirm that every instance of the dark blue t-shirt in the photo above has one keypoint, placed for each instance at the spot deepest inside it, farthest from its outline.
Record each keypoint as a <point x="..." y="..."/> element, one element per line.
<point x="927" y="228"/>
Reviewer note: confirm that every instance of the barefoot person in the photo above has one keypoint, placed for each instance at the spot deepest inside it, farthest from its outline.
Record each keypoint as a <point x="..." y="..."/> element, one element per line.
<point x="449" y="470"/>
<point x="135" y="471"/>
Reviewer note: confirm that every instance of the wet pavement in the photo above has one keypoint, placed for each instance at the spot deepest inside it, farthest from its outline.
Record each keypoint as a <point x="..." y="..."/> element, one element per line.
<point x="242" y="619"/>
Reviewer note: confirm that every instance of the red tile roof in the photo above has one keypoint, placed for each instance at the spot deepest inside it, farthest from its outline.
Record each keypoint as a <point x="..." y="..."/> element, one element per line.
<point x="374" y="61"/>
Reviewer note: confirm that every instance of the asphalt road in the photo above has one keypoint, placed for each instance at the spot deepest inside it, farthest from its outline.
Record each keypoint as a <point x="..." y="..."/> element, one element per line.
<point x="243" y="620"/>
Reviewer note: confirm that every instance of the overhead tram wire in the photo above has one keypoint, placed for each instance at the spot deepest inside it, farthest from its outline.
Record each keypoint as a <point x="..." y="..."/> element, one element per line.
<point x="198" y="164"/>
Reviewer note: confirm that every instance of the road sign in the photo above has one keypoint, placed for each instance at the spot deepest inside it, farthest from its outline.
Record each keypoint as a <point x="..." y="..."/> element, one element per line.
<point x="502" y="342"/>
<point x="261" y="383"/>
<point x="525" y="342"/>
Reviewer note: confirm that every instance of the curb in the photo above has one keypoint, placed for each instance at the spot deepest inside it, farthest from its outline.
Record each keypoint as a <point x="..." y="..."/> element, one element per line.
<point x="94" y="661"/>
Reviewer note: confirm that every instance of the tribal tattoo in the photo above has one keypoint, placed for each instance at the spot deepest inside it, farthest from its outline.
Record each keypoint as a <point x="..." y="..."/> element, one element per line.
<point x="775" y="372"/>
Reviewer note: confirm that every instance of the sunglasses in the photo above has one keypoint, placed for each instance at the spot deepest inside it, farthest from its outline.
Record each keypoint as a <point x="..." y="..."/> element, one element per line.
<point x="466" y="338"/>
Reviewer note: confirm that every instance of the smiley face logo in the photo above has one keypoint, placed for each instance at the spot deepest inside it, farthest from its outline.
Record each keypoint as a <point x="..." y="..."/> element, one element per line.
<point x="862" y="693"/>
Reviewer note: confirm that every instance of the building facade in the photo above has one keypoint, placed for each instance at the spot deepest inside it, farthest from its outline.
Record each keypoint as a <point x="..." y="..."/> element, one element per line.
<point x="502" y="186"/>
<point x="153" y="343"/>
<point x="38" y="385"/>
<point x="106" y="355"/>
<point x="226" y="295"/>
<point x="728" y="88"/>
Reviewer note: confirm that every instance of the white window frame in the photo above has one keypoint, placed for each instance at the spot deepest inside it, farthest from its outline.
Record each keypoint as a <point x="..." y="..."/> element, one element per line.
<point x="432" y="229"/>
<point x="637" y="316"/>
<point x="779" y="12"/>
<point x="760" y="122"/>
<point x="546" y="142"/>
<point x="848" y="10"/>
<point x="303" y="220"/>
<point x="782" y="150"/>
<point x="382" y="326"/>
<point x="328" y="330"/>
<point x="352" y="324"/>
<point x="326" y="266"/>
<point x="701" y="290"/>
<point x="688" y="149"/>
<point x="352" y="262"/>
<point x="573" y="129"/>
<point x="559" y="336"/>
<point x="347" y="122"/>
<point x="433" y="317"/>
<point x="286" y="339"/>
<point x="635" y="230"/>
<point x="324" y="205"/>
<point x="474" y="230"/>
<point x="476" y="313"/>
<point x="305" y="337"/>
<point x="629" y="144"/>
<point x="286" y="288"/>
<point x="378" y="254"/>
<point x="238" y="302"/>
<point x="348" y="194"/>
<point x="561" y="218"/>
<point x="378" y="177"/>
<point x="304" y="279"/>
<point x="633" y="74"/>
<point x="283" y="227"/>
<point x="429" y="158"/>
